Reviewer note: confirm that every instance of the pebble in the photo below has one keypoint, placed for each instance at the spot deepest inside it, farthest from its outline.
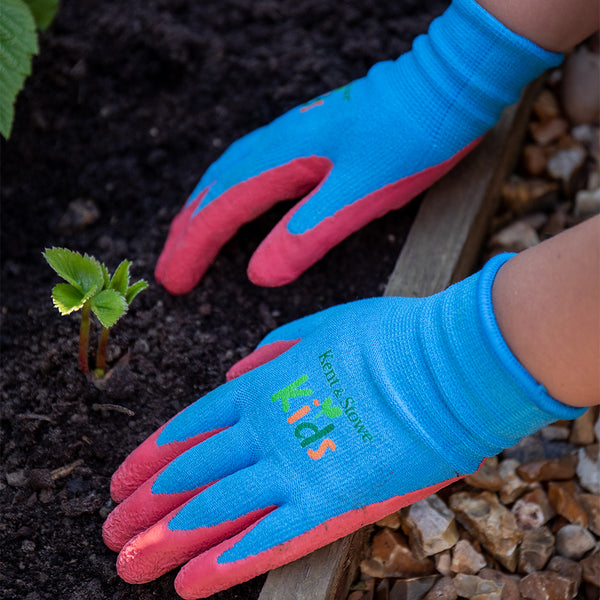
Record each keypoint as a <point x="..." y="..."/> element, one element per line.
<point x="486" y="477"/>
<point x="574" y="541"/>
<point x="465" y="559"/>
<point x="533" y="509"/>
<point x="546" y="585"/>
<point x="587" y="203"/>
<point x="588" y="468"/>
<point x="443" y="560"/>
<point x="548" y="469"/>
<point x="580" y="88"/>
<point x="534" y="159"/>
<point x="80" y="213"/>
<point x="492" y="524"/>
<point x="555" y="432"/>
<point x="442" y="590"/>
<point x="545" y="106"/>
<point x="513" y="485"/>
<point x="591" y="505"/>
<point x="430" y="525"/>
<point x="477" y="588"/>
<point x="17" y="478"/>
<point x="537" y="220"/>
<point x="582" y="428"/>
<point x="546" y="132"/>
<point x="391" y="521"/>
<point x="593" y="182"/>
<point x="510" y="591"/>
<point x="414" y="588"/>
<point x="564" y="498"/>
<point x="391" y="556"/>
<point x="523" y="196"/>
<point x="586" y="134"/>
<point x="515" y="237"/>
<point x="591" y="569"/>
<point x="566" y="162"/>
<point x="529" y="448"/>
<point x="567" y="568"/>
<point x="536" y="548"/>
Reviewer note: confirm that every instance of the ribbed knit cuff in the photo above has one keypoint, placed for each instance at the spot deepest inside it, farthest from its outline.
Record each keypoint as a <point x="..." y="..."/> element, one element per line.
<point x="494" y="400"/>
<point x="544" y="408"/>
<point x="470" y="397"/>
<point x="466" y="69"/>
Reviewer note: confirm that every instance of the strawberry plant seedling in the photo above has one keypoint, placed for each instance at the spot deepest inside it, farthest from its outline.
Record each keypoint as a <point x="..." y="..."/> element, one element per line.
<point x="91" y="289"/>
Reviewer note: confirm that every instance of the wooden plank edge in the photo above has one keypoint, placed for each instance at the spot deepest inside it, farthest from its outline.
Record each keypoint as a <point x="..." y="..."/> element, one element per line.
<point x="325" y="573"/>
<point x="441" y="248"/>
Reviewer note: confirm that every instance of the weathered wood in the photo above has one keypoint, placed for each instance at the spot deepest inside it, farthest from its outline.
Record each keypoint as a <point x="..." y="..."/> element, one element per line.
<point x="441" y="248"/>
<point x="326" y="573"/>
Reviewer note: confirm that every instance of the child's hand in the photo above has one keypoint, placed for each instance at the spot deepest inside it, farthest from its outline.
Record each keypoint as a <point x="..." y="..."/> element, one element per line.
<point x="335" y="421"/>
<point x="356" y="153"/>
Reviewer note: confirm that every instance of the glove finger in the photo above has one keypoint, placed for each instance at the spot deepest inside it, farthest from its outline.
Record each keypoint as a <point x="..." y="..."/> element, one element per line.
<point x="271" y="543"/>
<point x="343" y="204"/>
<point x="200" y="231"/>
<point x="198" y="422"/>
<point x="280" y="340"/>
<point x="180" y="480"/>
<point x="215" y="514"/>
<point x="205" y="575"/>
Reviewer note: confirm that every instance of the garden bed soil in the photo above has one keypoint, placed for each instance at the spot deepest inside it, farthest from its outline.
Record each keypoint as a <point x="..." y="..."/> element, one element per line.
<point x="127" y="105"/>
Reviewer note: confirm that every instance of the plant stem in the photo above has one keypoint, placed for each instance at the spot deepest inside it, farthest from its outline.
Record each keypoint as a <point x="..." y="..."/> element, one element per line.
<point x="101" y="354"/>
<point x="84" y="334"/>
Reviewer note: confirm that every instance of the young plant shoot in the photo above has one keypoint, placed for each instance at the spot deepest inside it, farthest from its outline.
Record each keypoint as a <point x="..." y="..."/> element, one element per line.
<point x="91" y="289"/>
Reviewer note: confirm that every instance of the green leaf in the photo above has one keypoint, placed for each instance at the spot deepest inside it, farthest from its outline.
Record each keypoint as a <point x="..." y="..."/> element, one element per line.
<point x="43" y="11"/>
<point x="135" y="289"/>
<point x="108" y="306"/>
<point x="105" y="275"/>
<point x="68" y="298"/>
<point x="18" y="43"/>
<point x="83" y="272"/>
<point x="120" y="279"/>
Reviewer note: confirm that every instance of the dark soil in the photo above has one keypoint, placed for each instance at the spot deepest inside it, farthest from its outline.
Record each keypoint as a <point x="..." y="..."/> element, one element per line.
<point x="128" y="104"/>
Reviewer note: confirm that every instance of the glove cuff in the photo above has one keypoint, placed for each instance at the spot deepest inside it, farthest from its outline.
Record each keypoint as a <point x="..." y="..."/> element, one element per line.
<point x="465" y="70"/>
<point x="489" y="392"/>
<point x="470" y="389"/>
<point x="535" y="408"/>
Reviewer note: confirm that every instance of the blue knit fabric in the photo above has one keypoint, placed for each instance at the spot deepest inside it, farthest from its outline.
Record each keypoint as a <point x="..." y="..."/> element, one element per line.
<point x="411" y="392"/>
<point x="401" y="118"/>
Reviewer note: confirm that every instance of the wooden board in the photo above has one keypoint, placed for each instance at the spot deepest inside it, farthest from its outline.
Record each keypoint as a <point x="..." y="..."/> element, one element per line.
<point x="442" y="247"/>
<point x="325" y="574"/>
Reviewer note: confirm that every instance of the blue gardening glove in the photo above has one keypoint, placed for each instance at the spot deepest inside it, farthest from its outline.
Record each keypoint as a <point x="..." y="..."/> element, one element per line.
<point x="356" y="153"/>
<point x="374" y="405"/>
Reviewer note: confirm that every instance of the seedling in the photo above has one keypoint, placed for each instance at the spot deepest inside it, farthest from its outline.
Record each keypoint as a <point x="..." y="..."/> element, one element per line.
<point x="91" y="289"/>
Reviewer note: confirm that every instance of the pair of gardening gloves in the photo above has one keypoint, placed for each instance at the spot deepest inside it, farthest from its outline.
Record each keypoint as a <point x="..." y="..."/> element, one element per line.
<point x="347" y="415"/>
